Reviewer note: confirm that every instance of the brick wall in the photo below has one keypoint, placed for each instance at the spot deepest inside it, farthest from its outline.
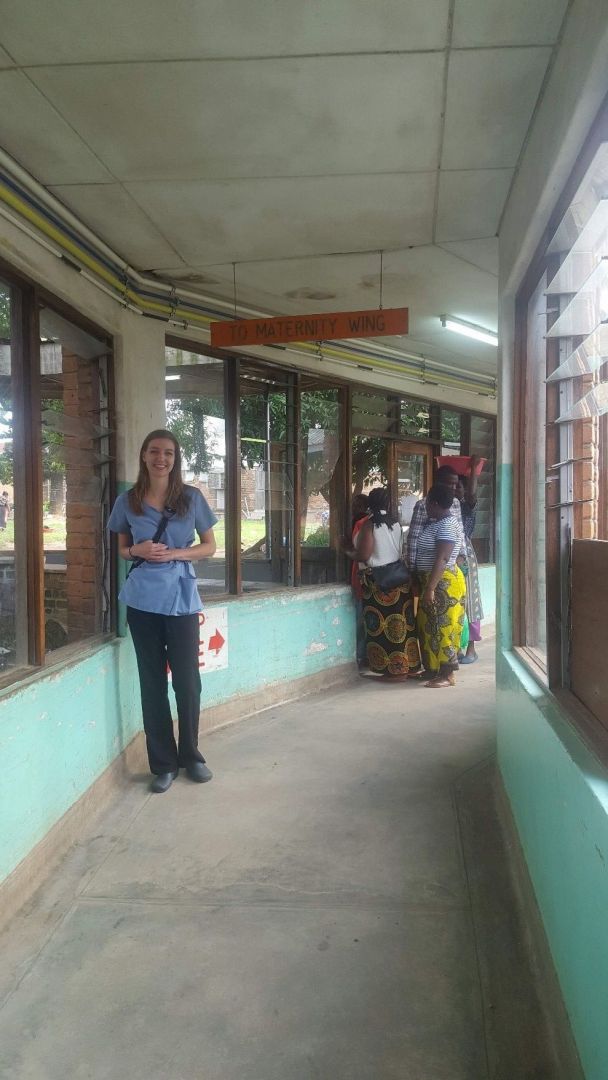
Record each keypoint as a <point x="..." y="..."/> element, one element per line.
<point x="588" y="476"/>
<point x="55" y="607"/>
<point x="83" y="544"/>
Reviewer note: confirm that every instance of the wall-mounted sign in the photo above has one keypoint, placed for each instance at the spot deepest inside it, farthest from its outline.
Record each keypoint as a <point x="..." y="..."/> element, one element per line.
<point x="331" y="326"/>
<point x="213" y="639"/>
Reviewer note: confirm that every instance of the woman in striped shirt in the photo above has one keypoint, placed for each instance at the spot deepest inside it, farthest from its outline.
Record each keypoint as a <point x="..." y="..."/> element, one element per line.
<point x="441" y="607"/>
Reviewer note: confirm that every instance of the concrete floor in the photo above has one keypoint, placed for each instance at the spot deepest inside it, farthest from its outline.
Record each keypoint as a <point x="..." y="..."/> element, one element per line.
<point x="309" y="915"/>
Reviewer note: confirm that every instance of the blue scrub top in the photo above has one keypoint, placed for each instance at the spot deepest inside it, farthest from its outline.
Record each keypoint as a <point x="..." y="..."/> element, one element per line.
<point x="165" y="588"/>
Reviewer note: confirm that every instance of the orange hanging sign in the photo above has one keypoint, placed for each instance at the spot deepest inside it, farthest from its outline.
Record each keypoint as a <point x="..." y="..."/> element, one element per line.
<point x="330" y="326"/>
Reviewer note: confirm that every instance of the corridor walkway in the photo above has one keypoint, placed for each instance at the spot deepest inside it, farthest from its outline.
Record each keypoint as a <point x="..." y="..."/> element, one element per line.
<point x="335" y="905"/>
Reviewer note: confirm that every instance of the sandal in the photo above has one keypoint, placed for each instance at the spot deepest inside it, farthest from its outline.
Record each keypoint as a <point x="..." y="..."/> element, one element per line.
<point x="440" y="681"/>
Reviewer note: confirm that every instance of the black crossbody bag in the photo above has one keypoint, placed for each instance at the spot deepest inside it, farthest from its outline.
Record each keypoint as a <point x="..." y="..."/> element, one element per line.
<point x="391" y="575"/>
<point x="162" y="525"/>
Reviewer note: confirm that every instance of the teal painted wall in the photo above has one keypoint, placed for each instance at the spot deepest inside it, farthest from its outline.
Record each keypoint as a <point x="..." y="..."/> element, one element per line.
<point x="295" y="633"/>
<point x="558" y="793"/>
<point x="287" y="635"/>
<point x="487" y="584"/>
<point x="58" y="732"/>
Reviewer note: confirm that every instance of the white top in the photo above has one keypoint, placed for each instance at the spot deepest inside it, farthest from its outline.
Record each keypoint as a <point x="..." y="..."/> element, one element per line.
<point x="387" y="544"/>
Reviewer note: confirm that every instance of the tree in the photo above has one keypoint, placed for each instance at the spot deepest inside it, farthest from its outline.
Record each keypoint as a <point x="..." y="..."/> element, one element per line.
<point x="53" y="468"/>
<point x="186" y="419"/>
<point x="370" y="462"/>
<point x="5" y="315"/>
<point x="415" y="418"/>
<point x="450" y="427"/>
<point x="261" y="414"/>
<point x="6" y="463"/>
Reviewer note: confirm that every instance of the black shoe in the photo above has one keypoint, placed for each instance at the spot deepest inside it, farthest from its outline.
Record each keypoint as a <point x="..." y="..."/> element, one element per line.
<point x="199" y="772"/>
<point x="162" y="782"/>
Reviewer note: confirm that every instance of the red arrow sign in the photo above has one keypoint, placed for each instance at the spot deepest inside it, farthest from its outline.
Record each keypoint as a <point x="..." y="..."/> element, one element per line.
<point x="216" y="642"/>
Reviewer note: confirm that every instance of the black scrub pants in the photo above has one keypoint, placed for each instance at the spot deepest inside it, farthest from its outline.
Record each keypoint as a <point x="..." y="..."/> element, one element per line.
<point x="174" y="640"/>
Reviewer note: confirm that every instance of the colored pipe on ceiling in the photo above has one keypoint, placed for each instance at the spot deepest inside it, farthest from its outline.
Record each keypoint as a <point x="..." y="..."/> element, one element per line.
<point x="29" y="205"/>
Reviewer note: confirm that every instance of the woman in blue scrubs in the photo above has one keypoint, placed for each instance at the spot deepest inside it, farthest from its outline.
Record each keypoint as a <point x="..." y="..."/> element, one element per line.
<point x="163" y="602"/>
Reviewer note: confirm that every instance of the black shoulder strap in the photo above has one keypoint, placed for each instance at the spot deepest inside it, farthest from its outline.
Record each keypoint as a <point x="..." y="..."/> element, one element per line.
<point x="162" y="525"/>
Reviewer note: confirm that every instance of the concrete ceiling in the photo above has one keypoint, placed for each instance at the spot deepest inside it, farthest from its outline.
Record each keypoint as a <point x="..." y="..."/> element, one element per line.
<point x="293" y="139"/>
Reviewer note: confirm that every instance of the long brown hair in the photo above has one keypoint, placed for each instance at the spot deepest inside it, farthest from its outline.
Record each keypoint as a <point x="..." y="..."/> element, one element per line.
<point x="177" y="496"/>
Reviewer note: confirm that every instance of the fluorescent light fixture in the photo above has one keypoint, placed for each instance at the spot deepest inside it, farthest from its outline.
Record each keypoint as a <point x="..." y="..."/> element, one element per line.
<point x="470" y="330"/>
<point x="170" y="378"/>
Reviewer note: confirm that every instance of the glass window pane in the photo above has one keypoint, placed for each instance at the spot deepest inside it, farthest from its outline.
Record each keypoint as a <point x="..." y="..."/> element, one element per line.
<point x="196" y="415"/>
<point x="376" y="412"/>
<point x="370" y="463"/>
<point x="73" y="370"/>
<point x="412" y="482"/>
<point x="482" y="445"/>
<point x="321" y="485"/>
<point x="415" y="419"/>
<point x="450" y="432"/>
<point x="268" y="449"/>
<point x="535" y="424"/>
<point x="588" y="470"/>
<point x="13" y="592"/>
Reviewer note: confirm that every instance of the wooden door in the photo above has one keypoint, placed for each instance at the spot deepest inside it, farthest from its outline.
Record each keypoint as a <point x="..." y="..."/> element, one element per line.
<point x="410" y="476"/>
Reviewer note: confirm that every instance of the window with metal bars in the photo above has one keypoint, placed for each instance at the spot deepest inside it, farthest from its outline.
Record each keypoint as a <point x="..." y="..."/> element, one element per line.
<point x="562" y="427"/>
<point x="56" y="462"/>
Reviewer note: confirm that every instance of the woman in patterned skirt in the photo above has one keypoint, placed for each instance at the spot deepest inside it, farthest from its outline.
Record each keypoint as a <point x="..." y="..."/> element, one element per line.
<point x="443" y="589"/>
<point x="390" y="627"/>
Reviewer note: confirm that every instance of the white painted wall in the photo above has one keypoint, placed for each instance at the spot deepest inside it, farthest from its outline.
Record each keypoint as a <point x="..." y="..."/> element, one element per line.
<point x="574" y="91"/>
<point x="139" y="342"/>
<point x="139" y="350"/>
<point x="140" y="386"/>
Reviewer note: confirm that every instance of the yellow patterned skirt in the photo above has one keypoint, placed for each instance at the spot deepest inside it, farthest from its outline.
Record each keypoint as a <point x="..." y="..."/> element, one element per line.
<point x="440" y="625"/>
<point x="390" y="629"/>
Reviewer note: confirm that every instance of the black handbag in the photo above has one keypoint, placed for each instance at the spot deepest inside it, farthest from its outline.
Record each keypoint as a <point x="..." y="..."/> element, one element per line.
<point x="390" y="576"/>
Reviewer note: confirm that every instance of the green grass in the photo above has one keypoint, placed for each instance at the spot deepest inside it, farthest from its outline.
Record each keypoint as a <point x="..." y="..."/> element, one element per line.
<point x="251" y="532"/>
<point x="54" y="534"/>
<point x="7" y="538"/>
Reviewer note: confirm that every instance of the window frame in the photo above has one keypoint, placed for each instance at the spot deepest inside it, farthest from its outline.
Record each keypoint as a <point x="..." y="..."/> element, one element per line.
<point x="346" y="390"/>
<point x="233" y="471"/>
<point x="27" y="299"/>
<point x="552" y="672"/>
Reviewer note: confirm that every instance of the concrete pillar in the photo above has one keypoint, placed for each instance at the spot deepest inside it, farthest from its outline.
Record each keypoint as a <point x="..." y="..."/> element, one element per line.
<point x="139" y="365"/>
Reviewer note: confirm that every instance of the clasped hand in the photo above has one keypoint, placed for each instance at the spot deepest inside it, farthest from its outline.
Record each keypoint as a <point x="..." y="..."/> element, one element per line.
<point x="151" y="552"/>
